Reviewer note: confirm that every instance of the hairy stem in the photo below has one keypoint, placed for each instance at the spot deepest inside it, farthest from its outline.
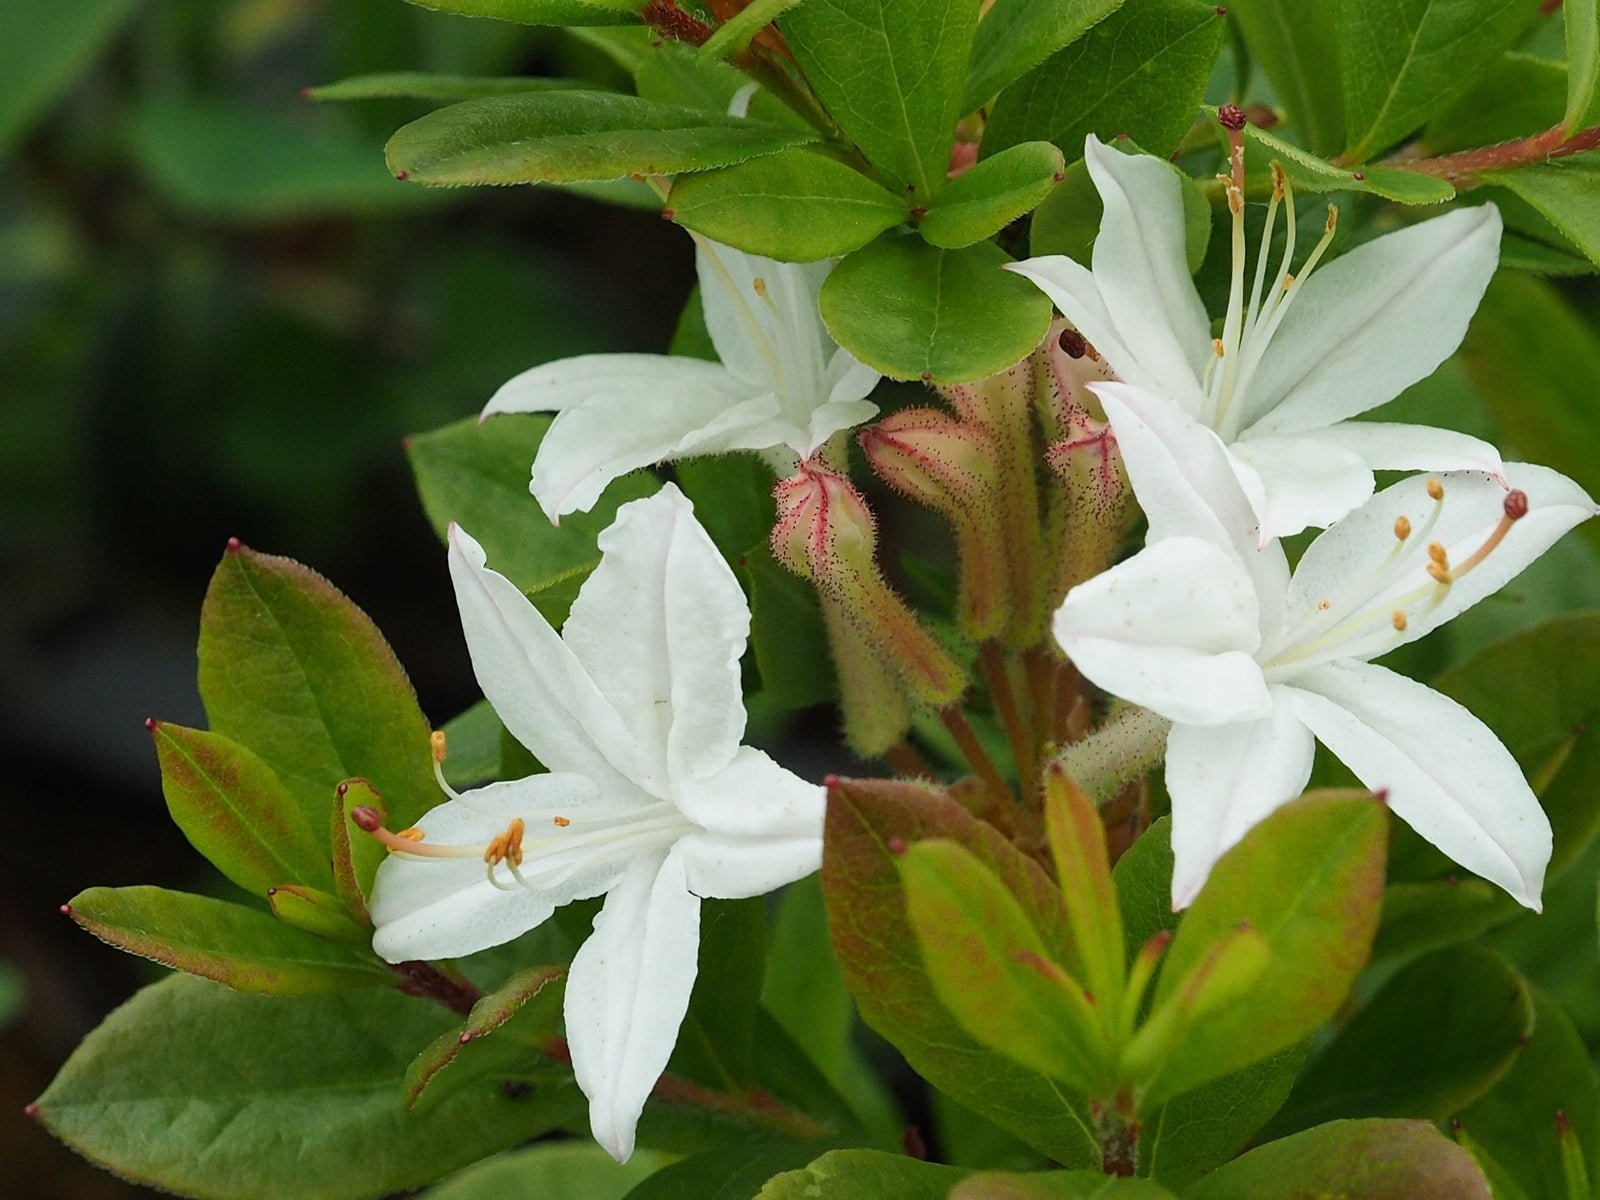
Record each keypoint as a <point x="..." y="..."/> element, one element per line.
<point x="1460" y="168"/>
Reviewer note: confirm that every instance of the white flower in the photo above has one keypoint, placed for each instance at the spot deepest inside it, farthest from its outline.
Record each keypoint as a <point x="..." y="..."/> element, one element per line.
<point x="1298" y="355"/>
<point x="1251" y="665"/>
<point x="636" y="711"/>
<point x="783" y="383"/>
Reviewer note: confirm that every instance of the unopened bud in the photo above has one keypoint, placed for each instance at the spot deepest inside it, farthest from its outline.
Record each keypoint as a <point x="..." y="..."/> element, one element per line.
<point x="1232" y="117"/>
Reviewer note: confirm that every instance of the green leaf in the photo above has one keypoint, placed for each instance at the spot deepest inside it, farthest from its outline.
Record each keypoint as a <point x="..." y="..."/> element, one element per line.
<point x="245" y="165"/>
<point x="990" y="195"/>
<point x="734" y="1170"/>
<point x="671" y="72"/>
<point x="1434" y="1038"/>
<point x="1402" y="62"/>
<point x="787" y="634"/>
<point x="1308" y="173"/>
<point x="543" y="12"/>
<point x="420" y="85"/>
<point x="293" y="670"/>
<point x="1055" y="1185"/>
<point x="1350" y="1160"/>
<point x="1566" y="192"/>
<point x="229" y="943"/>
<point x="1519" y="95"/>
<point x="574" y="137"/>
<point x="1309" y="879"/>
<point x="890" y="73"/>
<point x="716" y="1041"/>
<point x="1139" y="72"/>
<point x="991" y="969"/>
<point x="473" y="738"/>
<point x="1143" y="878"/>
<point x="187" y="1063"/>
<point x="736" y="33"/>
<point x="319" y="913"/>
<point x="863" y="1175"/>
<point x="877" y="949"/>
<point x="554" y="1170"/>
<point x="732" y="495"/>
<point x="1515" y="1121"/>
<point x="1525" y="254"/>
<point x="1016" y="35"/>
<point x="477" y="476"/>
<point x="234" y="811"/>
<point x="356" y="854"/>
<point x="911" y="310"/>
<point x="44" y="48"/>
<point x="1419" y="916"/>
<point x="1582" y="19"/>
<point x="796" y="206"/>
<point x="1077" y="840"/>
<point x="1295" y="43"/>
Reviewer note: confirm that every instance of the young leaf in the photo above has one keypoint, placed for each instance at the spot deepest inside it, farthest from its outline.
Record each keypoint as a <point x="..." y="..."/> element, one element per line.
<point x="420" y="85"/>
<point x="293" y="670"/>
<point x="1402" y="63"/>
<point x="1295" y="43"/>
<point x="863" y="1175"/>
<point x="1139" y="72"/>
<point x="543" y="12"/>
<point x="1078" y="846"/>
<point x="234" y="811"/>
<point x="1308" y="173"/>
<point x="987" y="197"/>
<point x="1375" y="1160"/>
<point x="911" y="310"/>
<point x="317" y="912"/>
<point x="229" y="943"/>
<point x="891" y="74"/>
<point x="1582" y="19"/>
<point x="356" y="854"/>
<point x="1433" y="1039"/>
<point x="574" y="137"/>
<point x="1566" y="192"/>
<point x="796" y="206"/>
<point x="249" y="1075"/>
<point x="43" y="49"/>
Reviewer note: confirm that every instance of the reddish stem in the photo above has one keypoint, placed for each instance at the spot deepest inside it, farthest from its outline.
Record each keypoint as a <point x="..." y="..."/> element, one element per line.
<point x="972" y="750"/>
<point x="1460" y="168"/>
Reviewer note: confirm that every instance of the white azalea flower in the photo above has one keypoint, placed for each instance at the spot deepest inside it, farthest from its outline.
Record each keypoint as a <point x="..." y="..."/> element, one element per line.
<point x="1251" y="665"/>
<point x="636" y="711"/>
<point x="1298" y="355"/>
<point x="783" y="384"/>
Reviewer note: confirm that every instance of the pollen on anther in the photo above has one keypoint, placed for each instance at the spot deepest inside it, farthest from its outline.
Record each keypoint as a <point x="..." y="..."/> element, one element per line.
<point x="437" y="743"/>
<point x="561" y="822"/>
<point x="1435" y="490"/>
<point x="1437" y="554"/>
<point x="1324" y="604"/>
<point x="1402" y="527"/>
<point x="1516" y="504"/>
<point x="411" y="835"/>
<point x="1218" y="348"/>
<point x="760" y="285"/>
<point x="1399" y="620"/>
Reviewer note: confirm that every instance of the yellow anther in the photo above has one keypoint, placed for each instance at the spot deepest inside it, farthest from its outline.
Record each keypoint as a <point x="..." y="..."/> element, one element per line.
<point x="1324" y="604"/>
<point x="561" y="822"/>
<point x="507" y="845"/>
<point x="437" y="744"/>
<point x="1332" y="222"/>
<point x="411" y="835"/>
<point x="1435" y="490"/>
<point x="1288" y="281"/>
<point x="760" y="285"/>
<point x="1218" y="348"/>
<point x="1399" y="620"/>
<point x="1278" y="179"/>
<point x="1437" y="555"/>
<point x="1402" y="527"/>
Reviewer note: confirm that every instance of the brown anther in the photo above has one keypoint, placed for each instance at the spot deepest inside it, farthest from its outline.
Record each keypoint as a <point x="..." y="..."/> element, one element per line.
<point x="561" y="822"/>
<point x="411" y="835"/>
<point x="1402" y="527"/>
<point x="1437" y="555"/>
<point x="1435" y="490"/>
<point x="1073" y="344"/>
<point x="507" y="845"/>
<point x="1324" y="605"/>
<point x="1232" y="117"/>
<point x="1288" y="281"/>
<point x="366" y="818"/>
<point x="1399" y="620"/>
<point x="1516" y="504"/>
<point x="436" y="743"/>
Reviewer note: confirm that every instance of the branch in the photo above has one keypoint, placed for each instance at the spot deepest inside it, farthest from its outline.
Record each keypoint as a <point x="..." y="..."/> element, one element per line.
<point x="1460" y="168"/>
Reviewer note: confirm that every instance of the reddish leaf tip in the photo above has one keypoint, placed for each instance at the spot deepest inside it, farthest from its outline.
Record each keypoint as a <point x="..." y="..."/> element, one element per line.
<point x="669" y="214"/>
<point x="30" y="1110"/>
<point x="342" y="790"/>
<point x="366" y="818"/>
<point x="1524" y="1039"/>
<point x="830" y="782"/>
<point x="465" y="1037"/>
<point x="65" y="910"/>
<point x="1058" y="176"/>
<point x="1358" y="175"/>
<point x="305" y="93"/>
<point x="234" y="545"/>
<point x="1563" y="1123"/>
<point x="897" y="845"/>
<point x="272" y="891"/>
<point x="151" y="724"/>
<point x="402" y="176"/>
<point x="1381" y="795"/>
<point x="1455" y="1125"/>
<point x="1222" y="10"/>
<point x="927" y="377"/>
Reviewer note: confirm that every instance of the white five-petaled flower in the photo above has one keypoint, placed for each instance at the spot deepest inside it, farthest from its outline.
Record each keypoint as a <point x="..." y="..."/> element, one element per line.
<point x="782" y="384"/>
<point x="1298" y="353"/>
<point x="1251" y="665"/>
<point x="636" y="711"/>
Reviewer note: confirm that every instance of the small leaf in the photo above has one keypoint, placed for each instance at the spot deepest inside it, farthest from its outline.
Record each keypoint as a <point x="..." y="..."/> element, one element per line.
<point x="863" y="1175"/>
<point x="356" y="854"/>
<point x="574" y="137"/>
<point x="229" y="943"/>
<point x="911" y="310"/>
<point x="234" y="811"/>
<point x="1295" y="44"/>
<point x="1566" y="192"/>
<point x="1308" y="173"/>
<point x="1016" y="35"/>
<point x="543" y="12"/>
<point x="1078" y="845"/>
<point x="987" y="197"/>
<point x="420" y="85"/>
<point x="318" y="913"/>
<point x="1582" y="19"/>
<point x="1350" y="1160"/>
<point x="796" y="206"/>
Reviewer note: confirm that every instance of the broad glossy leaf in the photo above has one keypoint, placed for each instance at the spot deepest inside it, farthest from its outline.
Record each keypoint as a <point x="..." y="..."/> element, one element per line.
<point x="187" y="1063"/>
<point x="1519" y="253"/>
<point x="572" y="1170"/>
<point x="234" y="811"/>
<point x="1433" y="1039"/>
<point x="1402" y="61"/>
<point x="716" y="1042"/>
<point x="1350" y="1160"/>
<point x="543" y="12"/>
<point x="241" y="947"/>
<point x="1016" y="35"/>
<point x="1143" y="878"/>
<point x="863" y="1175"/>
<point x="1582" y="21"/>
<point x="990" y="195"/>
<point x="1308" y="173"/>
<point x="1295" y="44"/>
<point x="883" y="966"/>
<point x="891" y="74"/>
<point x="1566" y="192"/>
<point x="574" y="137"/>
<point x="44" y="48"/>
<point x="1520" y="94"/>
<point x="796" y="206"/>
<point x="911" y="310"/>
<point x="672" y="72"/>
<point x="421" y="85"/>
<point x="1424" y="915"/>
<point x="292" y="669"/>
<point x="1515" y="1121"/>
<point x="1309" y="879"/>
<point x="477" y="476"/>
<point x="1139" y="72"/>
<point x="1055" y="1185"/>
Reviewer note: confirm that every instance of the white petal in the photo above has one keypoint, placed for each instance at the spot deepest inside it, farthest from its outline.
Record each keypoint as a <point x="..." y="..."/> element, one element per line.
<point x="753" y="797"/>
<point x="628" y="424"/>
<point x="849" y="379"/>
<point x="627" y="993"/>
<point x="731" y="868"/>
<point x="1142" y="268"/>
<point x="1223" y="780"/>
<point x="556" y="386"/>
<point x="1294" y="482"/>
<point x="1075" y="292"/>
<point x="660" y="626"/>
<point x="1173" y="629"/>
<point x="763" y="318"/>
<point x="1446" y="773"/>
<point x="532" y="680"/>
<point x="1385" y="446"/>
<point x="1375" y="321"/>
<point x="433" y="908"/>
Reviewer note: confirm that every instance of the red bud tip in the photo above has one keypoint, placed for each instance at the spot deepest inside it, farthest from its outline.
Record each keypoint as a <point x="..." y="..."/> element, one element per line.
<point x="342" y="790"/>
<point x="1516" y="504"/>
<point x="30" y="1110"/>
<point x="366" y="818"/>
<point x="897" y="846"/>
<point x="234" y="545"/>
<point x="1058" y="176"/>
<point x="402" y="176"/>
<point x="1358" y="175"/>
<point x="66" y="910"/>
<point x="669" y="214"/>
<point x="1381" y="795"/>
<point x="465" y="1037"/>
<point x="150" y="723"/>
<point x="1073" y="344"/>
<point x="1232" y="117"/>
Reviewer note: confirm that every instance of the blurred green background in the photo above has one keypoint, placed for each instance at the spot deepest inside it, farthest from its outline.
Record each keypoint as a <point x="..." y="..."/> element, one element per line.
<point x="219" y="316"/>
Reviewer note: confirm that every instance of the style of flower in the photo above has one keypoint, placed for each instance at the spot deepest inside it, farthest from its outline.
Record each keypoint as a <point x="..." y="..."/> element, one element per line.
<point x="636" y="711"/>
<point x="782" y="384"/>
<point x="1298" y="354"/>
<point x="1251" y="666"/>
